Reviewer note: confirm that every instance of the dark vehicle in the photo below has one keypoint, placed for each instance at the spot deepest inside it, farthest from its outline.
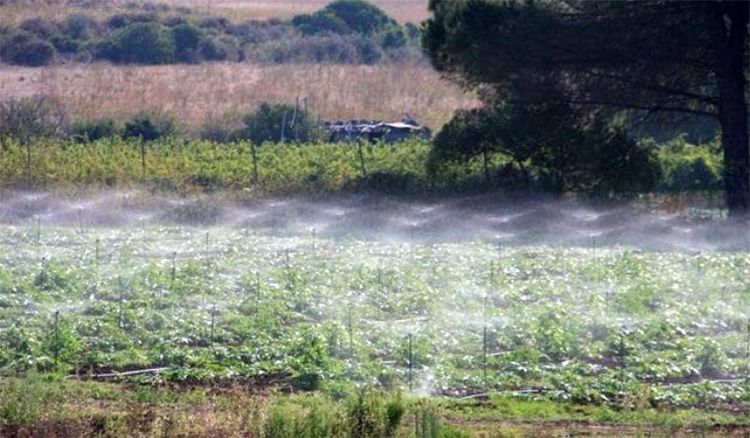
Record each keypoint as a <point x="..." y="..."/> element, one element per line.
<point x="374" y="131"/>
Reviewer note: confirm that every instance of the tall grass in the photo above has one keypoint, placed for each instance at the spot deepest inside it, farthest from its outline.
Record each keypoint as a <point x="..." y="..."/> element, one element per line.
<point x="196" y="94"/>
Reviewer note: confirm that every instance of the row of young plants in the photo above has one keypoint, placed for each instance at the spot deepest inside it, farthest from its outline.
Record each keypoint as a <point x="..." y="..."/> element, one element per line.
<point x="272" y="169"/>
<point x="456" y="319"/>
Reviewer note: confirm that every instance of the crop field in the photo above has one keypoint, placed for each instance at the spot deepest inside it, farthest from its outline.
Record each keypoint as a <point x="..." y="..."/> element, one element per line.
<point x="301" y="297"/>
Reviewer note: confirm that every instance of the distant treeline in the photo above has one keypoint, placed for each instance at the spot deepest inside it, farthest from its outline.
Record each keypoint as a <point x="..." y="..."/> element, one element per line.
<point x="40" y="148"/>
<point x="345" y="31"/>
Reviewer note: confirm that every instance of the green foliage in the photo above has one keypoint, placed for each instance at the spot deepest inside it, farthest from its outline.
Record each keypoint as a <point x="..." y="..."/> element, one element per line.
<point x="24" y="48"/>
<point x="78" y="26"/>
<point x="86" y="131"/>
<point x="360" y="16"/>
<point x="61" y="345"/>
<point x="604" y="58"/>
<point x="22" y="402"/>
<point x="30" y="117"/>
<point x="370" y="414"/>
<point x="189" y="41"/>
<point x="320" y="22"/>
<point x="690" y="167"/>
<point x="345" y="16"/>
<point x="150" y="125"/>
<point x="548" y="142"/>
<point x="139" y="43"/>
<point x="274" y="122"/>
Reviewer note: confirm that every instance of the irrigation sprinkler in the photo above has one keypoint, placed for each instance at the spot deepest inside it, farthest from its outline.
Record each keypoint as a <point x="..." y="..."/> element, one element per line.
<point x="97" y="243"/>
<point x="257" y="293"/>
<point x="313" y="242"/>
<point x="411" y="362"/>
<point x="381" y="289"/>
<point x="350" y="328"/>
<point x="80" y="220"/>
<point x="119" y="302"/>
<point x="174" y="266"/>
<point x="56" y="351"/>
<point x="484" y="357"/>
<point x="484" y="341"/>
<point x="747" y="352"/>
<point x="213" y="324"/>
<point x="621" y="354"/>
<point x="38" y="230"/>
<point x="208" y="258"/>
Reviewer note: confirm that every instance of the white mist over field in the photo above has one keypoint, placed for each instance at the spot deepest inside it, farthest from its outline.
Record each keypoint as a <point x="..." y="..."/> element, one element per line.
<point x="372" y="217"/>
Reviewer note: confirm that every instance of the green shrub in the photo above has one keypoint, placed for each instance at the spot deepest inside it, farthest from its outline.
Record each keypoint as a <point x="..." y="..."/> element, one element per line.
<point x="66" y="44"/>
<point x="85" y="131"/>
<point x="360" y="16"/>
<point x="272" y="120"/>
<point x="40" y="27"/>
<point x="324" y="22"/>
<point x="30" y="117"/>
<point x="216" y="131"/>
<point x="78" y="26"/>
<point x="688" y="167"/>
<point x="139" y="43"/>
<point x="350" y="16"/>
<point x="394" y="38"/>
<point x="187" y="41"/>
<point x="24" y="48"/>
<point x="693" y="173"/>
<point x="150" y="125"/>
<point x="23" y="401"/>
<point x="61" y="343"/>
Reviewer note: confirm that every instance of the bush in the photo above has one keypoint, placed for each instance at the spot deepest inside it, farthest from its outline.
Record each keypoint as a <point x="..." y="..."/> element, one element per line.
<point x="360" y="16"/>
<point x="30" y="117"/>
<point x="24" y="48"/>
<point x="689" y="167"/>
<point x="394" y="38"/>
<point x="78" y="26"/>
<point x="187" y="42"/>
<point x="66" y="44"/>
<point x="92" y="130"/>
<point x="140" y="43"/>
<point x="40" y="27"/>
<point x="150" y="125"/>
<point x="347" y="16"/>
<point x="267" y="124"/>
<point x="312" y="24"/>
<point x="216" y="131"/>
<point x="548" y="141"/>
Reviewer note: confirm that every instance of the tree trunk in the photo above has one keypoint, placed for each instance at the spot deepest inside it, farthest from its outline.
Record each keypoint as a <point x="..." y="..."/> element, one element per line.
<point x="733" y="114"/>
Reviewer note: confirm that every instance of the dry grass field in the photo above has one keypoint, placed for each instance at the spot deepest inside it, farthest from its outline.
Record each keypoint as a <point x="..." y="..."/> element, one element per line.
<point x="402" y="10"/>
<point x="236" y="10"/>
<point x="199" y="93"/>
